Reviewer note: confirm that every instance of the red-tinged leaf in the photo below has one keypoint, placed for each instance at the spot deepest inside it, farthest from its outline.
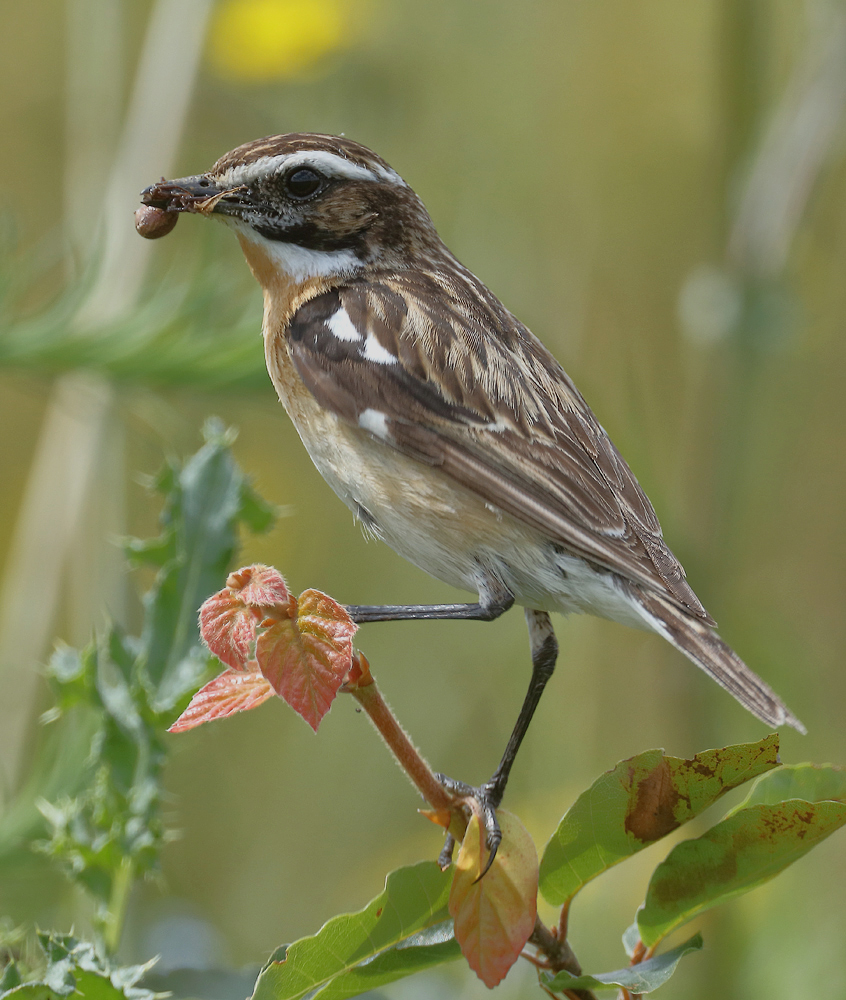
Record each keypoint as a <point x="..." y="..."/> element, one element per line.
<point x="359" y="675"/>
<point x="230" y="692"/>
<point x="495" y="915"/>
<point x="319" y="615"/>
<point x="261" y="587"/>
<point x="228" y="628"/>
<point x="306" y="658"/>
<point x="440" y="817"/>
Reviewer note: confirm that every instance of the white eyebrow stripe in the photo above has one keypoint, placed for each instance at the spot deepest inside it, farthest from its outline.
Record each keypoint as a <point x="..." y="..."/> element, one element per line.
<point x="342" y="327"/>
<point x="374" y="421"/>
<point x="374" y="351"/>
<point x="330" y="164"/>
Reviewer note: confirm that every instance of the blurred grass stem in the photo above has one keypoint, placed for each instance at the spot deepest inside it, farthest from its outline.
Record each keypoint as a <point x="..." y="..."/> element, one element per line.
<point x="71" y="463"/>
<point x="116" y="914"/>
<point x="797" y="141"/>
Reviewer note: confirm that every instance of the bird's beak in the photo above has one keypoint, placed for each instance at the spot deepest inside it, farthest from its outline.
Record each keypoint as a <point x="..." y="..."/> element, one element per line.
<point x="185" y="194"/>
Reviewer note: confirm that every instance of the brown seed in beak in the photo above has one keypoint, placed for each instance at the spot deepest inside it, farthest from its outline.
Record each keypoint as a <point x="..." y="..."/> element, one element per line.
<point x="153" y="223"/>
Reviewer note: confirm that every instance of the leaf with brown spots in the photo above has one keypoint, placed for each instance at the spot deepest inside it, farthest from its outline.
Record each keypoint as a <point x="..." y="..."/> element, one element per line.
<point x="638" y="802"/>
<point x="812" y="782"/>
<point x="738" y="854"/>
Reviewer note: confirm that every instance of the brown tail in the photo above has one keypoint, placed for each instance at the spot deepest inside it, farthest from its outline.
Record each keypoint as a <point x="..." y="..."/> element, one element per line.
<point x="701" y="644"/>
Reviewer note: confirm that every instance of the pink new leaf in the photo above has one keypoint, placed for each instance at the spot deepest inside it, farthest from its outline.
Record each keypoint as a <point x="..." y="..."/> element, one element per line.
<point x="307" y="657"/>
<point x="228" y="619"/>
<point x="261" y="587"/>
<point x="494" y="916"/>
<point x="228" y="628"/>
<point x="230" y="692"/>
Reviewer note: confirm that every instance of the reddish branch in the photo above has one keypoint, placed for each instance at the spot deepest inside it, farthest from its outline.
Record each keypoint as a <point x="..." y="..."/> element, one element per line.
<point x="362" y="687"/>
<point x="557" y="953"/>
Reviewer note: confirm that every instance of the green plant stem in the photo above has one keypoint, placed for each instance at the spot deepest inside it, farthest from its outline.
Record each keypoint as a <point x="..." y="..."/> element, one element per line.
<point x="115" y="915"/>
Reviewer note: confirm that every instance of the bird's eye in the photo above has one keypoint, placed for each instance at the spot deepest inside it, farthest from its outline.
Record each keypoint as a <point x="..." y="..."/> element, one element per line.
<point x="303" y="182"/>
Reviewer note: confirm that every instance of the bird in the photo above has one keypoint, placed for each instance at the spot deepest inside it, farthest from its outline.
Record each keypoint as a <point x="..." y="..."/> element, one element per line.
<point x="440" y="420"/>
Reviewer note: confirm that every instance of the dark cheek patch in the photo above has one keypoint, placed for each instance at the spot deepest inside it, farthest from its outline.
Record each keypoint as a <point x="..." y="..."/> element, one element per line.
<point x="309" y="235"/>
<point x="338" y="220"/>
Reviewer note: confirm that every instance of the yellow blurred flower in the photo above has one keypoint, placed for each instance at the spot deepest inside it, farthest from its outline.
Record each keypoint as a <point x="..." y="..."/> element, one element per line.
<point x="263" y="40"/>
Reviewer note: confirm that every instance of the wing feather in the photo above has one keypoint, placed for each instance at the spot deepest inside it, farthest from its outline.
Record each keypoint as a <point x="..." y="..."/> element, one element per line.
<point x="472" y="391"/>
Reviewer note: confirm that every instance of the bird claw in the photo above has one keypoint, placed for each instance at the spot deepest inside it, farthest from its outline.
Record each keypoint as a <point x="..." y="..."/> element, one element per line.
<point x="483" y="802"/>
<point x="445" y="857"/>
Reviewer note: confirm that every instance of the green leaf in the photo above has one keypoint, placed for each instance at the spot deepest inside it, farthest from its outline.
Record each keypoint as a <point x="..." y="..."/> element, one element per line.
<point x="11" y="977"/>
<point x="214" y="983"/>
<point x="638" y="802"/>
<point x="743" y="851"/>
<point x="631" y="939"/>
<point x="256" y="512"/>
<point x="149" y="551"/>
<point x="114" y="816"/>
<point x="65" y="665"/>
<point x="812" y="782"/>
<point x="61" y="767"/>
<point x="95" y="796"/>
<point x="402" y="931"/>
<point x="206" y="500"/>
<point x="94" y="986"/>
<point x="75" y="968"/>
<point x="202" y="511"/>
<point x="115" y="664"/>
<point x="59" y="975"/>
<point x="643" y="978"/>
<point x="72" y="675"/>
<point x="32" y="991"/>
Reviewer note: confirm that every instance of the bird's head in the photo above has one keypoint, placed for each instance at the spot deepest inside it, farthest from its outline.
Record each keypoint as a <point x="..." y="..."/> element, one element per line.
<point x="309" y="205"/>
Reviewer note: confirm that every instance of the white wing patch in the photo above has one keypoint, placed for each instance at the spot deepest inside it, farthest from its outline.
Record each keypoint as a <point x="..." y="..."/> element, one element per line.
<point x="342" y="327"/>
<point x="374" y="351"/>
<point x="374" y="421"/>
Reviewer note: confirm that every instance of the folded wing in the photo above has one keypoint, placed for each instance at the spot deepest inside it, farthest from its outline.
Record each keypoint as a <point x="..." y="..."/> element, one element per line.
<point x="459" y="383"/>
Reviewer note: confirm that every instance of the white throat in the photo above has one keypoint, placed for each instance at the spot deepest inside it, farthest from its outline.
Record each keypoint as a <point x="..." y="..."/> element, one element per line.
<point x="299" y="263"/>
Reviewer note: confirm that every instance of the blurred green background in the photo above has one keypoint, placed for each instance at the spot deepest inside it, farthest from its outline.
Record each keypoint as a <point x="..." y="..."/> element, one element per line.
<point x="657" y="189"/>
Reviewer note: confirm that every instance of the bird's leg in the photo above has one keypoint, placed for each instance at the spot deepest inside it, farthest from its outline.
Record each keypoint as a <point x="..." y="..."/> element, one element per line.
<point x="494" y="600"/>
<point x="544" y="655"/>
<point x="489" y="796"/>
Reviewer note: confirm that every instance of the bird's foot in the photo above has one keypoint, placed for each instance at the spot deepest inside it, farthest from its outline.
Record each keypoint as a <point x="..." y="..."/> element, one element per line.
<point x="482" y="801"/>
